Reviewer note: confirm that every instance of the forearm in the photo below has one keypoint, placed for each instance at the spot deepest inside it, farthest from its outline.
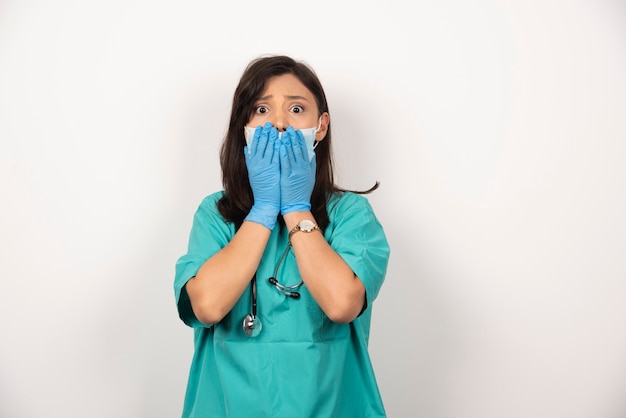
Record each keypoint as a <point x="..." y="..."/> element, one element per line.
<point x="223" y="278"/>
<point x="329" y="279"/>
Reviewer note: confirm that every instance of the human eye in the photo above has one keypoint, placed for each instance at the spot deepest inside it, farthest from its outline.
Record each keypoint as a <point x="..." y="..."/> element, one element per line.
<point x="261" y="109"/>
<point x="297" y="109"/>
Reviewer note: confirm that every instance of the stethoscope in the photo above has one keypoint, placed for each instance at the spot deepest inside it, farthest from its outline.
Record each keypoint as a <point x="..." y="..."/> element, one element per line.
<point x="251" y="323"/>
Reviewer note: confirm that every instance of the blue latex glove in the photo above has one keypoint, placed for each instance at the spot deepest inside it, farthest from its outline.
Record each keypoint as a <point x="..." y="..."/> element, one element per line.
<point x="263" y="163"/>
<point x="297" y="173"/>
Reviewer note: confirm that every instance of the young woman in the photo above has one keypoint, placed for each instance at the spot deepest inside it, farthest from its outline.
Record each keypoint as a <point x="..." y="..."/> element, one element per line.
<point x="282" y="265"/>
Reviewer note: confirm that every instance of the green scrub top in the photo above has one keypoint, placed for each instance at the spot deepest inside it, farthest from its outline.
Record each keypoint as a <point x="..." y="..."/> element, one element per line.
<point x="302" y="364"/>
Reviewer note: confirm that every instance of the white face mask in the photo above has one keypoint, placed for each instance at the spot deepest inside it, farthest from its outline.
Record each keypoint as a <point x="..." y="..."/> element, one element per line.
<point x="307" y="133"/>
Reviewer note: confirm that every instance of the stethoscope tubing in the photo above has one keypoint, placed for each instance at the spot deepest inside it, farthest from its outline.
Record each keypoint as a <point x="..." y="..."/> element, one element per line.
<point x="285" y="290"/>
<point x="251" y="324"/>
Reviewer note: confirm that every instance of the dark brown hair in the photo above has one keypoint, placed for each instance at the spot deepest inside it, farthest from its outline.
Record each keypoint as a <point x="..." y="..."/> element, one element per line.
<point x="238" y="198"/>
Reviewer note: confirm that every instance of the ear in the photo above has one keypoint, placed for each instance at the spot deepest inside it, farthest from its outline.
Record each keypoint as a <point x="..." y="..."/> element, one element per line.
<point x="324" y="121"/>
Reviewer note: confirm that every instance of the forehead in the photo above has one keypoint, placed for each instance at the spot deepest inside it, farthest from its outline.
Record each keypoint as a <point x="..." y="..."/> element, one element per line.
<point x="286" y="85"/>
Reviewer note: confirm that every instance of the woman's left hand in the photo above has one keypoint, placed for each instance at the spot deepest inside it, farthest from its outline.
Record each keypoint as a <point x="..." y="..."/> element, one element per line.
<point x="297" y="173"/>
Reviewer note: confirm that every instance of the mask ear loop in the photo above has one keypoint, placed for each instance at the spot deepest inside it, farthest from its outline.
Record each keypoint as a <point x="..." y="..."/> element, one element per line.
<point x="319" y="126"/>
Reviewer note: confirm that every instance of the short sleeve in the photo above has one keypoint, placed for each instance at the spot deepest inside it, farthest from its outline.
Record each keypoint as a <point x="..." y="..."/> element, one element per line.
<point x="209" y="234"/>
<point x="358" y="237"/>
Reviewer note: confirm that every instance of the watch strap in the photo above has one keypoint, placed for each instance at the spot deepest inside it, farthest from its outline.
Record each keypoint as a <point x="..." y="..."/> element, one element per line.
<point x="304" y="226"/>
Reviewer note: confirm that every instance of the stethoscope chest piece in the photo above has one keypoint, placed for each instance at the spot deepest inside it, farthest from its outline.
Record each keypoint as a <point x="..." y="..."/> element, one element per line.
<point x="252" y="325"/>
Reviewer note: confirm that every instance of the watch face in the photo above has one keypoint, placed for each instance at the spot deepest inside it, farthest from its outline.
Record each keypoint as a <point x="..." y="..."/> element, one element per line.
<point x="306" y="225"/>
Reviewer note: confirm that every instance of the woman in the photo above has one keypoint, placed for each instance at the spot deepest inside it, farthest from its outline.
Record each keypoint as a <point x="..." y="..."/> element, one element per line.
<point x="282" y="265"/>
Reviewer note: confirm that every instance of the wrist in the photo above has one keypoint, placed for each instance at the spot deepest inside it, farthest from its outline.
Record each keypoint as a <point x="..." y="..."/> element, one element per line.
<point x="265" y="215"/>
<point x="295" y="207"/>
<point x="293" y="218"/>
<point x="305" y="226"/>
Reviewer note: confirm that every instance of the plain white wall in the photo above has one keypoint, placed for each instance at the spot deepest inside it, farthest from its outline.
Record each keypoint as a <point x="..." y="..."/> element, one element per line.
<point x="497" y="131"/>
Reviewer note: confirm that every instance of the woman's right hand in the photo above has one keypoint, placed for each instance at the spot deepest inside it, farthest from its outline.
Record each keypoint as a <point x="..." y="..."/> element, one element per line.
<point x="263" y="163"/>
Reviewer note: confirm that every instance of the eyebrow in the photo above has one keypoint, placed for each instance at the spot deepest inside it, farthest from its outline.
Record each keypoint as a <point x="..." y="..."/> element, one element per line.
<point x="289" y="97"/>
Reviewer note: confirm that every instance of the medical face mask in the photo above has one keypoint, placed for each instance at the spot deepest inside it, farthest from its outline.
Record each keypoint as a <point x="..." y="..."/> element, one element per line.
<point x="308" y="134"/>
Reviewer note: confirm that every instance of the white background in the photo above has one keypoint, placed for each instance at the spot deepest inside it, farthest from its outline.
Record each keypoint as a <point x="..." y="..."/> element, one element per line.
<point x="497" y="131"/>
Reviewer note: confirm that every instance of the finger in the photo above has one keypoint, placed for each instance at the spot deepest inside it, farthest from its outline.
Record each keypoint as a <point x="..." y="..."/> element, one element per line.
<point x="263" y="140"/>
<point x="276" y="151"/>
<point x="254" y="145"/>
<point x="290" y="141"/>
<point x="272" y="139"/>
<point x="285" y="164"/>
<point x="300" y="150"/>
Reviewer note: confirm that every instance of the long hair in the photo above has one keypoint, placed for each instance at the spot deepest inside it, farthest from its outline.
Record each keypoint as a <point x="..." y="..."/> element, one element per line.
<point x="238" y="197"/>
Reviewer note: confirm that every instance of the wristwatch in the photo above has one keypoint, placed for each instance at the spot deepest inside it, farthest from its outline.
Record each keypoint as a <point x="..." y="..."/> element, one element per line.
<point x="304" y="226"/>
